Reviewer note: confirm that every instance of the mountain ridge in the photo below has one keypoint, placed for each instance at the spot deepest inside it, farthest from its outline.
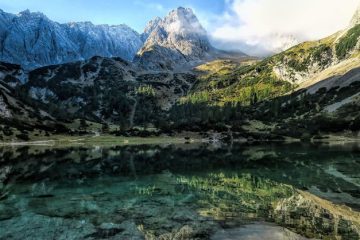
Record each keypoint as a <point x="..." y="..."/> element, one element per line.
<point x="177" y="39"/>
<point x="312" y="86"/>
<point x="33" y="40"/>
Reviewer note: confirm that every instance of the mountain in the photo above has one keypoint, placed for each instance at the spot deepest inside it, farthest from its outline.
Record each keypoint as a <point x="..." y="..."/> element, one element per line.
<point x="106" y="90"/>
<point x="150" y="27"/>
<point x="18" y="118"/>
<point x="176" y="40"/>
<point x="104" y="40"/>
<point x="102" y="89"/>
<point x="12" y="74"/>
<point x="309" y="88"/>
<point x="301" y="66"/>
<point x="32" y="40"/>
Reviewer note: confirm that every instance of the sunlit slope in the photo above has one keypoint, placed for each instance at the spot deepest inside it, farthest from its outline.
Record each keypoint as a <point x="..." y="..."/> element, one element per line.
<point x="304" y="65"/>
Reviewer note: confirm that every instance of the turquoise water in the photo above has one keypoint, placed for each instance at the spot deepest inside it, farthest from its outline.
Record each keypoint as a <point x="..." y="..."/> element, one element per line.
<point x="295" y="191"/>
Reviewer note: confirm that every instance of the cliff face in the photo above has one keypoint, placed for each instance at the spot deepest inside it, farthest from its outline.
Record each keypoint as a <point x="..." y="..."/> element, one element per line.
<point x="32" y="40"/>
<point x="176" y="40"/>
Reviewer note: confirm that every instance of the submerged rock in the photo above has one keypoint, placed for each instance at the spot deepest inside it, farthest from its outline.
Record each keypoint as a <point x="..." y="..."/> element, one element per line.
<point x="315" y="217"/>
<point x="34" y="227"/>
<point x="257" y="231"/>
<point x="7" y="212"/>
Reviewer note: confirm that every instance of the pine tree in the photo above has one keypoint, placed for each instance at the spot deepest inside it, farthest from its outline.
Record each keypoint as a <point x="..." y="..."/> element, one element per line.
<point x="105" y="128"/>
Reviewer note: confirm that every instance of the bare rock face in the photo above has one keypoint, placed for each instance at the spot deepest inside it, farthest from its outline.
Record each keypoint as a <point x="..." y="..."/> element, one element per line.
<point x="32" y="40"/>
<point x="150" y="27"/>
<point x="104" y="40"/>
<point x="177" y="39"/>
<point x="12" y="74"/>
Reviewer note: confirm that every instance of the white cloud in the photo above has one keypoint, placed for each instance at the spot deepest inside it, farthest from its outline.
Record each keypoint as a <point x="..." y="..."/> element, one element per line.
<point x="262" y="26"/>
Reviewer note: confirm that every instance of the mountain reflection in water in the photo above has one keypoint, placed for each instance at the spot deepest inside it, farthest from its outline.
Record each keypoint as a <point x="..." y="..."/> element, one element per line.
<point x="180" y="192"/>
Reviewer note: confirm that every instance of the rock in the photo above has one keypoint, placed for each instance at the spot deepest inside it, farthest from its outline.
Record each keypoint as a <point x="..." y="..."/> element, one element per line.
<point x="33" y="40"/>
<point x="257" y="231"/>
<point x="315" y="217"/>
<point x="105" y="231"/>
<point x="33" y="227"/>
<point x="7" y="212"/>
<point x="176" y="41"/>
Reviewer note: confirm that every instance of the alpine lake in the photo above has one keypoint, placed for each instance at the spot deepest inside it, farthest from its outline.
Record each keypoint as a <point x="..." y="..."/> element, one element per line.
<point x="181" y="191"/>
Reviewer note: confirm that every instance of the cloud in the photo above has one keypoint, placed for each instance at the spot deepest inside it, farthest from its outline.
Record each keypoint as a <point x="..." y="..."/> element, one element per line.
<point x="263" y="26"/>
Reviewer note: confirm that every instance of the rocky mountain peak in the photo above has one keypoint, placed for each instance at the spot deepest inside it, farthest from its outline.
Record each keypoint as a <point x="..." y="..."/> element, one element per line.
<point x="24" y="13"/>
<point x="181" y="13"/>
<point x="5" y="19"/>
<point x="178" y="38"/>
<point x="152" y="24"/>
<point x="183" y="20"/>
<point x="150" y="27"/>
<point x="32" y="40"/>
<point x="28" y="14"/>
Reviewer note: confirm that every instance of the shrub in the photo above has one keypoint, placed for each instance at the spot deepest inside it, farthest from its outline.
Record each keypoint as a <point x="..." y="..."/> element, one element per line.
<point x="322" y="54"/>
<point x="23" y="136"/>
<point x="146" y="90"/>
<point x="348" y="42"/>
<point x="7" y="131"/>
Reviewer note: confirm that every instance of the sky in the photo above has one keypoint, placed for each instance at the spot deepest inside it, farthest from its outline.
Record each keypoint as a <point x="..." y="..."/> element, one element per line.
<point x="135" y="13"/>
<point x="254" y="26"/>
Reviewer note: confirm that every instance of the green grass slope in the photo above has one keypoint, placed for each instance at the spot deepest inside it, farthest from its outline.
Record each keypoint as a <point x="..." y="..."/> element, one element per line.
<point x="221" y="82"/>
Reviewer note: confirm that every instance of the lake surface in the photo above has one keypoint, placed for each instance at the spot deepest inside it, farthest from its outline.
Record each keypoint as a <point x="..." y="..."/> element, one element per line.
<point x="270" y="191"/>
